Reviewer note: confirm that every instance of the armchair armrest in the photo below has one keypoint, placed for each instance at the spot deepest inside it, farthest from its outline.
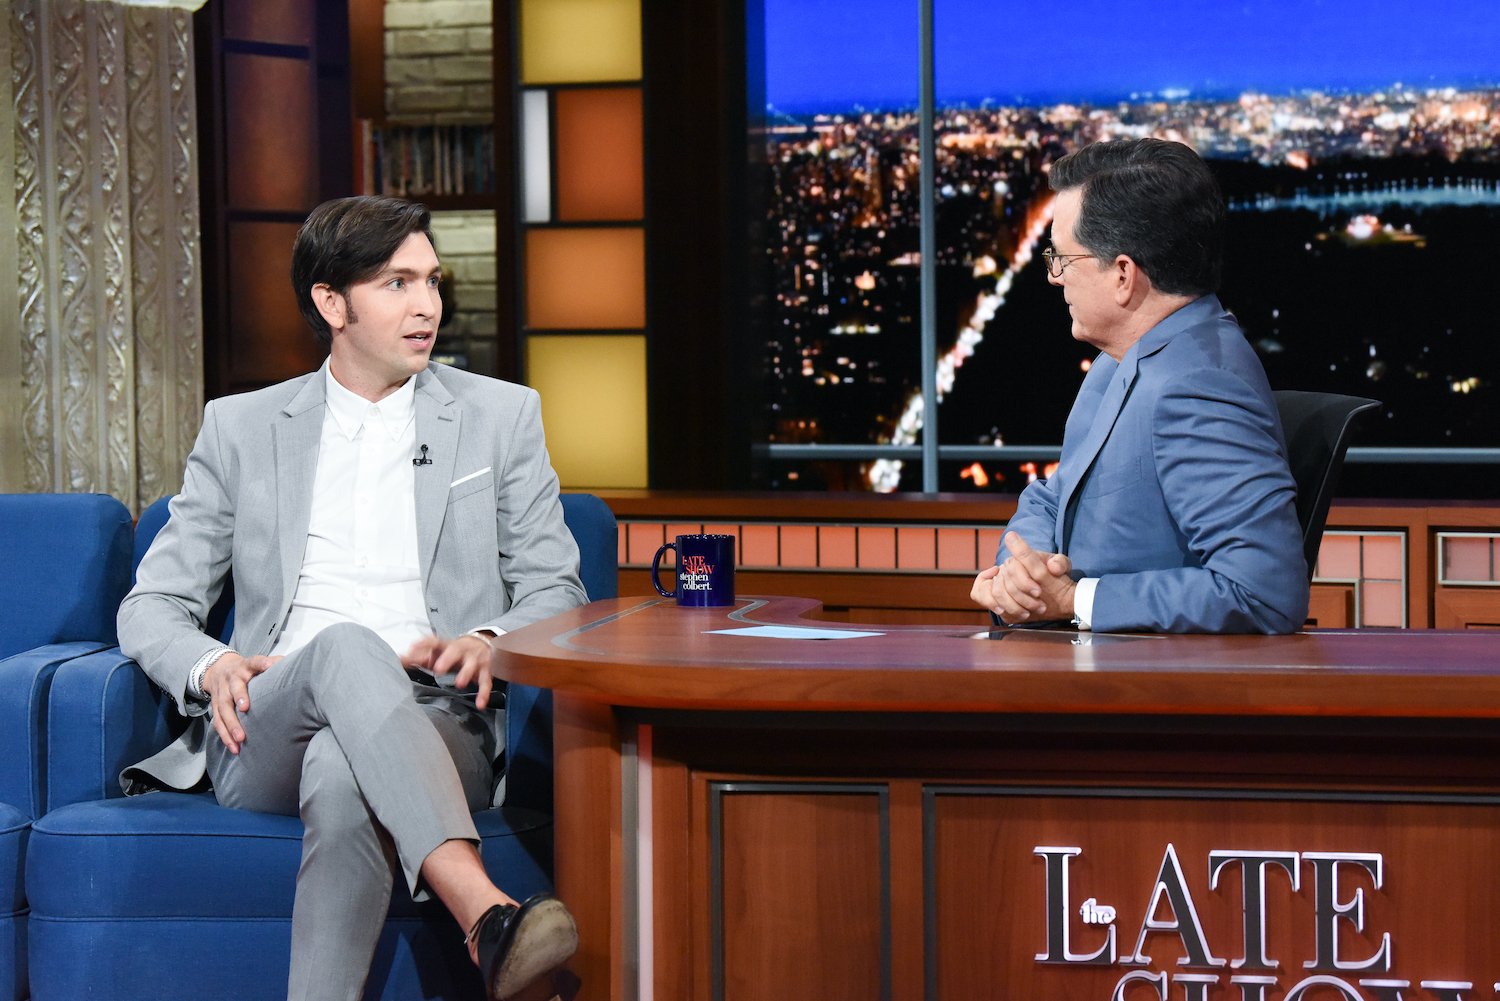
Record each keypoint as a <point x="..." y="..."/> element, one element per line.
<point x="25" y="685"/>
<point x="104" y="714"/>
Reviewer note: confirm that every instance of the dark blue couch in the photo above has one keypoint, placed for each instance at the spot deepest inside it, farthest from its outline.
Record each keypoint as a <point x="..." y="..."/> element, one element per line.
<point x="64" y="566"/>
<point x="170" y="895"/>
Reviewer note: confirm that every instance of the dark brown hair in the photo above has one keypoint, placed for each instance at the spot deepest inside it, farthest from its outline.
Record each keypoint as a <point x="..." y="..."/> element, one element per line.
<point x="347" y="241"/>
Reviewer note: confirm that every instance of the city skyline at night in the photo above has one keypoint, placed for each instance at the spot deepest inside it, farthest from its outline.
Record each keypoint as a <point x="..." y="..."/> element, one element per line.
<point x="1358" y="213"/>
<point x="826" y="56"/>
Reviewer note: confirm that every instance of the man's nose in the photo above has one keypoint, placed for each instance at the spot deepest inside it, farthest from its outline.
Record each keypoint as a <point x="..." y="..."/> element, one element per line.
<point x="1054" y="279"/>
<point x="427" y="302"/>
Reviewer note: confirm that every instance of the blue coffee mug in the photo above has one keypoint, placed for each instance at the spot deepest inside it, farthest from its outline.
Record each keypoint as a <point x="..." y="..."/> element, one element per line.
<point x="705" y="570"/>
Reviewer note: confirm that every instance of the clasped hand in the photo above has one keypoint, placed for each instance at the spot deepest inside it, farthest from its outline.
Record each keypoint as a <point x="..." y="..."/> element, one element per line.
<point x="1029" y="586"/>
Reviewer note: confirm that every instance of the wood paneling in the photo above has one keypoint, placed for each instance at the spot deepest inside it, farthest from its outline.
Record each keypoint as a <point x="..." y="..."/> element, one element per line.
<point x="991" y="909"/>
<point x="803" y="908"/>
<point x="1466" y="608"/>
<point x="916" y="597"/>
<point x="283" y="22"/>
<point x="274" y="127"/>
<point x="1331" y="606"/>
<point x="268" y="339"/>
<point x="1385" y="743"/>
<point x="269" y="104"/>
<point x="367" y="58"/>
<point x="587" y="825"/>
<point x="633" y="651"/>
<point x="673" y="809"/>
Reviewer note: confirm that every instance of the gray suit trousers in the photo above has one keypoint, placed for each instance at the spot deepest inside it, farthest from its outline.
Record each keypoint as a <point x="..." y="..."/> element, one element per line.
<point x="381" y="770"/>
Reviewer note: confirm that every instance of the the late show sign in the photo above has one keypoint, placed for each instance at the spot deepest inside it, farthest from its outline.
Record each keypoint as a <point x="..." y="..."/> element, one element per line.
<point x="1083" y="930"/>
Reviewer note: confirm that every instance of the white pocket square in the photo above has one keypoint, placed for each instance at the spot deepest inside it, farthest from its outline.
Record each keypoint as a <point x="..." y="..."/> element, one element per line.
<point x="466" y="479"/>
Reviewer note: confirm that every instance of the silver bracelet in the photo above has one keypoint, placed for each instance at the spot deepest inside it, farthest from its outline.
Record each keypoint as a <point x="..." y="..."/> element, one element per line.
<point x="483" y="638"/>
<point x="195" y="680"/>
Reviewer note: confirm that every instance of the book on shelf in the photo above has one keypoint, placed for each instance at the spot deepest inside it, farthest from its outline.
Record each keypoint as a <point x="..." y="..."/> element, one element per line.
<point x="413" y="161"/>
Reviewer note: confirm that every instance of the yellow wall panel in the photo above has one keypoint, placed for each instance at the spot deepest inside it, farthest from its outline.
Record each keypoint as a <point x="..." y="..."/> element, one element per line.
<point x="593" y="390"/>
<point x="580" y="41"/>
<point x="586" y="279"/>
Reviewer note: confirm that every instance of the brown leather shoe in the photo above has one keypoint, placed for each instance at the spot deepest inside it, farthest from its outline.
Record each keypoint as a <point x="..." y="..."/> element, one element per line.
<point x="517" y="946"/>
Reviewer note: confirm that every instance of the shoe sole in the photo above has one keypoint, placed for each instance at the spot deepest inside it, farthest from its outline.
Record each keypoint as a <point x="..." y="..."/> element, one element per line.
<point x="546" y="938"/>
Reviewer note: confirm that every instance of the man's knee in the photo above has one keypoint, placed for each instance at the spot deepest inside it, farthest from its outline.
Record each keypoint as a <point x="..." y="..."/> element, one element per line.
<point x="349" y="646"/>
<point x="348" y="636"/>
<point x="330" y="796"/>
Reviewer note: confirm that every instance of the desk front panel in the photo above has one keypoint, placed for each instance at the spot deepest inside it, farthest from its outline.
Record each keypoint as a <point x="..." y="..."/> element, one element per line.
<point x="991" y="862"/>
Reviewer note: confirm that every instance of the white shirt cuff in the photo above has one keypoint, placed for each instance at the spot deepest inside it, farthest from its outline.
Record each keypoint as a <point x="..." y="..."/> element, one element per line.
<point x="479" y="634"/>
<point x="1083" y="602"/>
<point x="195" y="676"/>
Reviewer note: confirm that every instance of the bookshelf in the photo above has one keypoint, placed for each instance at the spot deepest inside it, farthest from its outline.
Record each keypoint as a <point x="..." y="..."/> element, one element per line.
<point x="430" y="110"/>
<point x="443" y="165"/>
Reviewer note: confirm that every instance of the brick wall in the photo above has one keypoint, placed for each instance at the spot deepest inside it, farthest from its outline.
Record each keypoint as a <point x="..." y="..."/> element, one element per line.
<point x="437" y="61"/>
<point x="438" y="70"/>
<point x="466" y="245"/>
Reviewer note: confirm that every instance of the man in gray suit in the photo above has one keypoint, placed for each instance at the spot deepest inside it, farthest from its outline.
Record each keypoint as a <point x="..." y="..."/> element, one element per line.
<point x="384" y="519"/>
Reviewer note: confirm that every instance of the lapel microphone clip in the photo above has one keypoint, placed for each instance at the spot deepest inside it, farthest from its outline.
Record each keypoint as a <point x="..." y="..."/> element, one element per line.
<point x="422" y="459"/>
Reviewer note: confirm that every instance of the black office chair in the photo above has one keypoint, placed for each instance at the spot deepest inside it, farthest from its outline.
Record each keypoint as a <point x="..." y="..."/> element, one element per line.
<point x="1317" y="435"/>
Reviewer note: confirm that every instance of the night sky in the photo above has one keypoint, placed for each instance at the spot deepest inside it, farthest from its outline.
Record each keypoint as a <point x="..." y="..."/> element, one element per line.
<point x="831" y="55"/>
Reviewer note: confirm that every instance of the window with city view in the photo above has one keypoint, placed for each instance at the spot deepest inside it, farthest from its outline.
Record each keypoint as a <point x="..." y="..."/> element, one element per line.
<point x="1358" y="146"/>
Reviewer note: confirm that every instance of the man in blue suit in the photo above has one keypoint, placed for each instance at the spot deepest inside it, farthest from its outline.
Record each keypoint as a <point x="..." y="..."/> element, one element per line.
<point x="1173" y="508"/>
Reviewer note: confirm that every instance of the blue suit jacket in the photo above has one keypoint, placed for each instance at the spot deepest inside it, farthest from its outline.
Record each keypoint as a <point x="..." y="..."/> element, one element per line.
<point x="1173" y="487"/>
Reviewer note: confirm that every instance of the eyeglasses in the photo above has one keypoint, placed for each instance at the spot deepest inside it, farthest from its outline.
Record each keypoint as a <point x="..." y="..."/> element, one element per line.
<point x="1057" y="262"/>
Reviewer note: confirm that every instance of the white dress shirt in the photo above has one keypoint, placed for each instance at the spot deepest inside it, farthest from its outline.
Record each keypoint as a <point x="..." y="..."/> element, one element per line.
<point x="361" y="563"/>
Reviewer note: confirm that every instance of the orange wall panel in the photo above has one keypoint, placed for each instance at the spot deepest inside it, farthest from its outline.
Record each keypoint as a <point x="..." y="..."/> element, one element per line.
<point x="600" y="155"/>
<point x="836" y="546"/>
<point x="586" y="279"/>
<point x="877" y="548"/>
<point x="799" y="546"/>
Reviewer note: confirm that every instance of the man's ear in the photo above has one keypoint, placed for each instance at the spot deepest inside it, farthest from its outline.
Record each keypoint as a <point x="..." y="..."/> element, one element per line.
<point x="1128" y="279"/>
<point x="331" y="306"/>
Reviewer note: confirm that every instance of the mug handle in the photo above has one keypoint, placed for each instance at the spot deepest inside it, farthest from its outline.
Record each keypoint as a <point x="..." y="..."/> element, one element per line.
<point x="656" y="568"/>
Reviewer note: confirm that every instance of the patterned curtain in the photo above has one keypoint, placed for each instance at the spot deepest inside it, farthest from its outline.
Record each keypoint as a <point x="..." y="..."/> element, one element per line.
<point x="106" y="207"/>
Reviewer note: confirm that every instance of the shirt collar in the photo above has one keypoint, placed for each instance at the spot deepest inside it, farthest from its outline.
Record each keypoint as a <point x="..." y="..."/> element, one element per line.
<point x="350" y="410"/>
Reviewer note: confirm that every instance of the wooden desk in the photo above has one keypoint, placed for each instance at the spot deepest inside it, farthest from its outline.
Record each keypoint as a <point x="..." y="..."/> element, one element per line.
<point x="924" y="814"/>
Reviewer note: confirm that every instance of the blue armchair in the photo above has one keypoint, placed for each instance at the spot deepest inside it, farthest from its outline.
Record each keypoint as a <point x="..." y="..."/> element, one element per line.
<point x="119" y="904"/>
<point x="64" y="566"/>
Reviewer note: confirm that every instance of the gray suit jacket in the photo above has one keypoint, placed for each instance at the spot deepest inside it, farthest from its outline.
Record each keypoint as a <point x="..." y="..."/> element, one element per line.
<point x="493" y="547"/>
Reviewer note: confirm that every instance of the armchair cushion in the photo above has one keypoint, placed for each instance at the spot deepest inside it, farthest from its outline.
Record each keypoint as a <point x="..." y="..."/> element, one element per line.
<point x="168" y="855"/>
<point x="120" y="887"/>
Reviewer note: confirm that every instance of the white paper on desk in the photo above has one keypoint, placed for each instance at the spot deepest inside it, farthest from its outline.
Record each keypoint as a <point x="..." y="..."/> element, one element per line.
<point x="794" y="633"/>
